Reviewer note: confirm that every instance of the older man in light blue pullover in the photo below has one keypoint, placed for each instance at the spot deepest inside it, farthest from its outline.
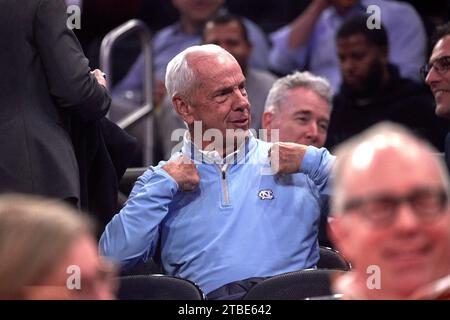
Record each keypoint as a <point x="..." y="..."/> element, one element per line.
<point x="225" y="211"/>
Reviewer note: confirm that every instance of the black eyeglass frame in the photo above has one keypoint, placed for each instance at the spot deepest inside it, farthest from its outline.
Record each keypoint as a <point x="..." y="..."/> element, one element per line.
<point x="441" y="65"/>
<point x="365" y="206"/>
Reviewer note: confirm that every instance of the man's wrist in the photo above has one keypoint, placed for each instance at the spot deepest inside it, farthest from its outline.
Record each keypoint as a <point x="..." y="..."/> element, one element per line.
<point x="172" y="182"/>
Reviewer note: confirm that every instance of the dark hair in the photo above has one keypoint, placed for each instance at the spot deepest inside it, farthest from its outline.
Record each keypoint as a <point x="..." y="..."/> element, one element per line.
<point x="226" y="18"/>
<point x="358" y="25"/>
<point x="441" y="32"/>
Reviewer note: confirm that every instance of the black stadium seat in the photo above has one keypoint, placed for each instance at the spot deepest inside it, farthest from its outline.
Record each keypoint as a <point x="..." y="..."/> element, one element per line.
<point x="126" y="184"/>
<point x="129" y="178"/>
<point x="296" y="285"/>
<point x="332" y="259"/>
<point x="158" y="287"/>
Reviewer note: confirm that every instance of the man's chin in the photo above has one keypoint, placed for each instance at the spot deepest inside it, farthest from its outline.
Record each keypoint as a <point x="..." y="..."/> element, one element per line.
<point x="443" y="110"/>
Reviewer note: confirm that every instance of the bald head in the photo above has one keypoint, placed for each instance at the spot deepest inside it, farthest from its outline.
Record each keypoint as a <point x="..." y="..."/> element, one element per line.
<point x="386" y="152"/>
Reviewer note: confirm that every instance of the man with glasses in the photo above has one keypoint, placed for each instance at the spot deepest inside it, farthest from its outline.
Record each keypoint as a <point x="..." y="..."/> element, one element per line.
<point x="437" y="76"/>
<point x="391" y="217"/>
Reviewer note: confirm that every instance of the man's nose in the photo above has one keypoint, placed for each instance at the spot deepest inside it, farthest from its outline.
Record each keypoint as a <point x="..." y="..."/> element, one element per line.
<point x="432" y="76"/>
<point x="406" y="218"/>
<point x="241" y="99"/>
<point x="313" y="130"/>
<point x="347" y="65"/>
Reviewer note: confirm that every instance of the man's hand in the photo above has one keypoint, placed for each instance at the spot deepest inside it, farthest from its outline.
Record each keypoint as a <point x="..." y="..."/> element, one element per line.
<point x="303" y="25"/>
<point x="100" y="77"/>
<point x="184" y="172"/>
<point x="286" y="157"/>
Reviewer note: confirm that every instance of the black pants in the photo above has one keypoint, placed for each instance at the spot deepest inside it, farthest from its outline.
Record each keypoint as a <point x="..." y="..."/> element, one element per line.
<point x="234" y="290"/>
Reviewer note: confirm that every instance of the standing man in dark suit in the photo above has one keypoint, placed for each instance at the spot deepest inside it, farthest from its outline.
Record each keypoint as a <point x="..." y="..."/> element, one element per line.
<point x="46" y="84"/>
<point x="437" y="76"/>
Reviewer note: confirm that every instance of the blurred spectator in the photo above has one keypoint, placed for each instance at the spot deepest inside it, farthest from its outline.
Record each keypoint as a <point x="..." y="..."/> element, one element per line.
<point x="182" y="34"/>
<point x="308" y="42"/>
<point x="373" y="90"/>
<point x="268" y="14"/>
<point x="48" y="251"/>
<point x="391" y="217"/>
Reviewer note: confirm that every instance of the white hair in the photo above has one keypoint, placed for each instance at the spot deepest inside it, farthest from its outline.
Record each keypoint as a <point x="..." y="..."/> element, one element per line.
<point x="306" y="80"/>
<point x="180" y="78"/>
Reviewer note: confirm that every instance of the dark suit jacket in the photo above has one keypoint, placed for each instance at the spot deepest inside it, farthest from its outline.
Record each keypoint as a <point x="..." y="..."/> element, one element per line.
<point x="45" y="82"/>
<point x="103" y="152"/>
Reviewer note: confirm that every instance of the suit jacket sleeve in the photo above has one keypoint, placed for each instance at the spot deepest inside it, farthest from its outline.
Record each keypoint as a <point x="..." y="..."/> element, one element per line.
<point x="67" y="70"/>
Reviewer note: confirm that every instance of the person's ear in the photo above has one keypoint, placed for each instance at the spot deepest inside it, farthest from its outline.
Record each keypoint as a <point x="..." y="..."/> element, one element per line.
<point x="267" y="118"/>
<point x="184" y="109"/>
<point x="340" y="234"/>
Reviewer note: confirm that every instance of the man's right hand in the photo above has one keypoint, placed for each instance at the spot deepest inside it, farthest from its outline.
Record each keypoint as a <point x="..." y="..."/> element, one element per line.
<point x="302" y="27"/>
<point x="184" y="172"/>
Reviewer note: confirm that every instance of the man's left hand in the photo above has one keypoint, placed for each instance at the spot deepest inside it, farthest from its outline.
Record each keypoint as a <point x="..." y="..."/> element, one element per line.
<point x="100" y="77"/>
<point x="286" y="157"/>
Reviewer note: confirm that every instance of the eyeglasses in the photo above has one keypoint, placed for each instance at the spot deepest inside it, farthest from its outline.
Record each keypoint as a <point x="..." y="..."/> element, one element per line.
<point x="382" y="210"/>
<point x="440" y="65"/>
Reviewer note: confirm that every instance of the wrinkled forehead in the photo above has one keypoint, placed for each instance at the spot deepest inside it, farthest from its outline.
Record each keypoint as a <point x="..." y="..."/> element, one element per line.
<point x="300" y="100"/>
<point x="390" y="168"/>
<point x="394" y="173"/>
<point x="216" y="67"/>
<point x="199" y="59"/>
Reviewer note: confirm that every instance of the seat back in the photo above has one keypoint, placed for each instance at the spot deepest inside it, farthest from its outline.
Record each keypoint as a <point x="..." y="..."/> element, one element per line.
<point x="151" y="266"/>
<point x="158" y="287"/>
<point x="129" y="178"/>
<point x="332" y="259"/>
<point x="295" y="285"/>
<point x="126" y="184"/>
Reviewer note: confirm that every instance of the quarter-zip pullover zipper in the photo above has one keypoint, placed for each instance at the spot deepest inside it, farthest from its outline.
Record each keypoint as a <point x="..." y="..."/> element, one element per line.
<point x="226" y="197"/>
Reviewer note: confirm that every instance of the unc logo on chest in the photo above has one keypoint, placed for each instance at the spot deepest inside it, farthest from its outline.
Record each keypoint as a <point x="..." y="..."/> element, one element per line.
<point x="266" y="195"/>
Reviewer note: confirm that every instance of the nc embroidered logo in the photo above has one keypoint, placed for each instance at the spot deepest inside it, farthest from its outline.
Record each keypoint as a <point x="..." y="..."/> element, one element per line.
<point x="266" y="195"/>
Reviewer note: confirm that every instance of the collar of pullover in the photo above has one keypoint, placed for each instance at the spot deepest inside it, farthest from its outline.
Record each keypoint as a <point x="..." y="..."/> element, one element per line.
<point x="198" y="155"/>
